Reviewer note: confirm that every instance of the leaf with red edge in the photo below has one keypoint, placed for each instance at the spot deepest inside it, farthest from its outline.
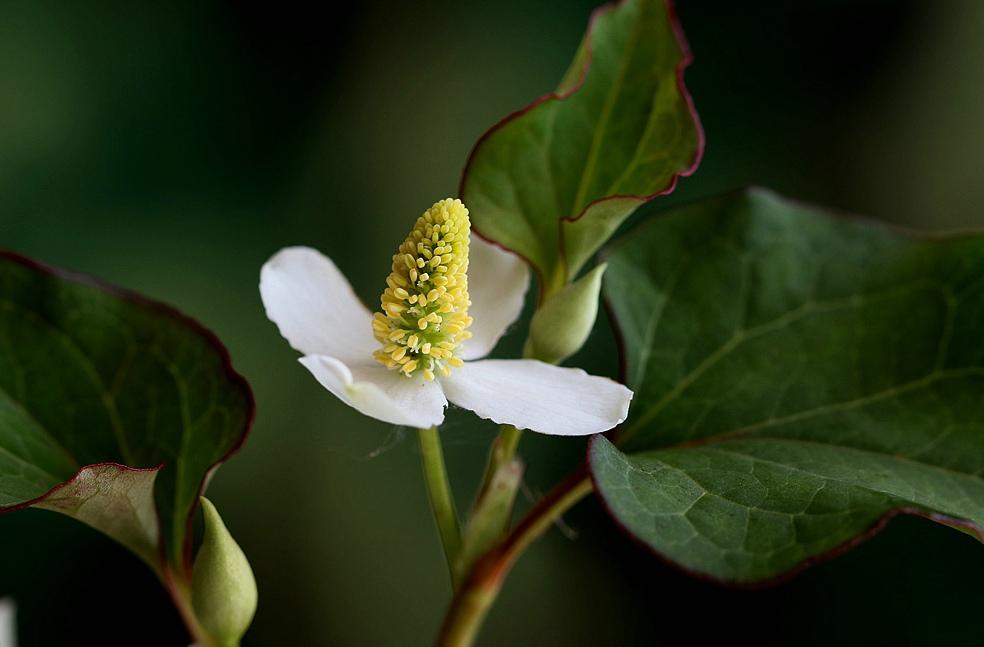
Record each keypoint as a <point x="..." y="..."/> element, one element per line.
<point x="113" y="409"/>
<point x="798" y="379"/>
<point x="554" y="181"/>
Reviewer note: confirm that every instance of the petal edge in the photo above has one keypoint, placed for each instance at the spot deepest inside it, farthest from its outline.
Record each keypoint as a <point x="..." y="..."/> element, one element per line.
<point x="530" y="394"/>
<point x="380" y="393"/>
<point x="314" y="306"/>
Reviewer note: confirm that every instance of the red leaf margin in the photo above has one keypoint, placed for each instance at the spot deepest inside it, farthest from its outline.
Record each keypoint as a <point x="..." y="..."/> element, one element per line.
<point x="796" y="569"/>
<point x="196" y="327"/>
<point x="685" y="61"/>
<point x="863" y="536"/>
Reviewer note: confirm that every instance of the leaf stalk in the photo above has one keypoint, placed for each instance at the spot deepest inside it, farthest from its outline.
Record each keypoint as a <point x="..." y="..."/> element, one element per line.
<point x="475" y="597"/>
<point x="179" y="589"/>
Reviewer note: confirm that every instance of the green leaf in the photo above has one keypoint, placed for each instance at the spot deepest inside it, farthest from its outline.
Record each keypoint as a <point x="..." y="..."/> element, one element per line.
<point x="114" y="499"/>
<point x="113" y="409"/>
<point x="798" y="378"/>
<point x="553" y="181"/>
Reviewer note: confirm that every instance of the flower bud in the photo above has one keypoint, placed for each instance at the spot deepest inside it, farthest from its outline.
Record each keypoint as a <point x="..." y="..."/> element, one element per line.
<point x="490" y="517"/>
<point x="223" y="589"/>
<point x="562" y="324"/>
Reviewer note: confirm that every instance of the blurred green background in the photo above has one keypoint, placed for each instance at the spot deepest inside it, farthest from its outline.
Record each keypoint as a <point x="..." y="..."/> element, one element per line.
<point x="173" y="147"/>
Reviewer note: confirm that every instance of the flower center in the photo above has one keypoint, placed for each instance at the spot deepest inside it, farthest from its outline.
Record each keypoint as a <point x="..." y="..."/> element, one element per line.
<point x="425" y="304"/>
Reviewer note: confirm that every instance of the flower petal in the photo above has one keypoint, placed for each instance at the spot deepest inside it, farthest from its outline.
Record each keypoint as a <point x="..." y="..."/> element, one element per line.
<point x="497" y="284"/>
<point x="314" y="306"/>
<point x="379" y="392"/>
<point x="533" y="395"/>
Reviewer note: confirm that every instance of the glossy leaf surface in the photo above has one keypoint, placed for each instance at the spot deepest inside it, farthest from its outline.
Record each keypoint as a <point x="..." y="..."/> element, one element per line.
<point x="553" y="181"/>
<point x="799" y="377"/>
<point x="113" y="408"/>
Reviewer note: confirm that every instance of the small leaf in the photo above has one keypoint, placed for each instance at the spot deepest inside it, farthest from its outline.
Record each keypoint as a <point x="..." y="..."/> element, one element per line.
<point x="798" y="378"/>
<point x="113" y="409"/>
<point x="553" y="181"/>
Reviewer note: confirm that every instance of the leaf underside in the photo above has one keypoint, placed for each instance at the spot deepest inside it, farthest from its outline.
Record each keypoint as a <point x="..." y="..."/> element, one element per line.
<point x="98" y="389"/>
<point x="798" y="377"/>
<point x="553" y="181"/>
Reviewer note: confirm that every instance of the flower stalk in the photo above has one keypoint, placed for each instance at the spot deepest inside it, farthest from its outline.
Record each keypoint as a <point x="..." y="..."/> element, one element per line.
<point x="439" y="494"/>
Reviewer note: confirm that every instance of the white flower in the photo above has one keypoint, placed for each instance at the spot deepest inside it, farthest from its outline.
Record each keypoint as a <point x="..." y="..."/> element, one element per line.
<point x="8" y="627"/>
<point x="382" y="367"/>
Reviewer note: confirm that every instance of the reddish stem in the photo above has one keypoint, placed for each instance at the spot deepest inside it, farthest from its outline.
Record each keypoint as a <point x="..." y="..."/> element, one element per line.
<point x="474" y="599"/>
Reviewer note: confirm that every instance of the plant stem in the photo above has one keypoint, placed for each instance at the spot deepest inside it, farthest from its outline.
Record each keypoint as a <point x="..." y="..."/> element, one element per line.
<point x="439" y="493"/>
<point x="180" y="591"/>
<point x="474" y="599"/>
<point x="475" y="596"/>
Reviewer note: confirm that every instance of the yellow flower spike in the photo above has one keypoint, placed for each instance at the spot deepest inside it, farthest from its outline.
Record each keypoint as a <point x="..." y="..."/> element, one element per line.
<point x="421" y="314"/>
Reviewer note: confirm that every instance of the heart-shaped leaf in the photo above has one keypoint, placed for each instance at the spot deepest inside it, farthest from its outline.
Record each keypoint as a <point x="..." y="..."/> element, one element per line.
<point x="553" y="181"/>
<point x="113" y="409"/>
<point x="798" y="379"/>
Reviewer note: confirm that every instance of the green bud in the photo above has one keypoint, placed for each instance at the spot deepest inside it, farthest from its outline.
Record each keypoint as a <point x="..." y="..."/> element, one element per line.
<point x="562" y="324"/>
<point x="223" y="591"/>
<point x="490" y="517"/>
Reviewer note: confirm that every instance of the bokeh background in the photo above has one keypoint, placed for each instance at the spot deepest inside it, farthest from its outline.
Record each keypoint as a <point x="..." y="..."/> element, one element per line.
<point x="173" y="147"/>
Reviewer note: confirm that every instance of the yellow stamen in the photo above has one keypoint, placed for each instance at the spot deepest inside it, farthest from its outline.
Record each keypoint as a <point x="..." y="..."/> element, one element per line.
<point x="424" y="319"/>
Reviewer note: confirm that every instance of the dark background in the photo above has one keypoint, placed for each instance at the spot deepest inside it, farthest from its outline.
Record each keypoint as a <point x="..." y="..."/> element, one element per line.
<point x="172" y="149"/>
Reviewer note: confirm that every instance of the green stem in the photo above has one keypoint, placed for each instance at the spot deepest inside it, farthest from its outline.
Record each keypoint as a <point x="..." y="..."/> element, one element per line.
<point x="554" y="283"/>
<point x="510" y="442"/>
<point x="439" y="493"/>
<point x="474" y="599"/>
<point x="475" y="596"/>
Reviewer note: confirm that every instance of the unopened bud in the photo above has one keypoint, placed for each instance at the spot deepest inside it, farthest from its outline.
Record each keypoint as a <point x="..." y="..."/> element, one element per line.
<point x="490" y="518"/>
<point x="223" y="588"/>
<point x="562" y="324"/>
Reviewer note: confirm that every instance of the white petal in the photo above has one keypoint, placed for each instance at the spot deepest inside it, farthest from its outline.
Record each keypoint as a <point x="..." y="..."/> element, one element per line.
<point x="533" y="395"/>
<point x="497" y="284"/>
<point x="8" y="627"/>
<point x="314" y="306"/>
<point x="380" y="393"/>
